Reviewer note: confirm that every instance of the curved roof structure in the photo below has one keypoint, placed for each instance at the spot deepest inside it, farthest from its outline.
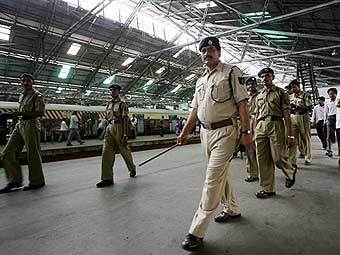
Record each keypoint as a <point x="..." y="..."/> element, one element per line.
<point x="77" y="48"/>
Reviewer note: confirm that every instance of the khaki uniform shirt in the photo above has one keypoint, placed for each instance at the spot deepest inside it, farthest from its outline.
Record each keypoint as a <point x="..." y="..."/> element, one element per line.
<point x="252" y="103"/>
<point x="272" y="102"/>
<point x="303" y="102"/>
<point x="214" y="98"/>
<point x="116" y="109"/>
<point x="31" y="101"/>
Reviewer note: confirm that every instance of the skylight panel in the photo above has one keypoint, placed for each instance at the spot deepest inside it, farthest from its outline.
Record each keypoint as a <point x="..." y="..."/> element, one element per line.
<point x="74" y="48"/>
<point x="128" y="61"/>
<point x="4" y="32"/>
<point x="147" y="85"/>
<point x="64" y="71"/>
<point x="190" y="77"/>
<point x="160" y="70"/>
<point x="205" y="5"/>
<point x="109" y="79"/>
<point x="176" y="89"/>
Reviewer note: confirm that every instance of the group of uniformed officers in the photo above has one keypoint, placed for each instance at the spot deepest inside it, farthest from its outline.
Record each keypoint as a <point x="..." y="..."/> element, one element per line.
<point x="268" y="124"/>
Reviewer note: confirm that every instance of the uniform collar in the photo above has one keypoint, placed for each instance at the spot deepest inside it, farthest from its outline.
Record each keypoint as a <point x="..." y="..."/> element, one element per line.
<point x="115" y="100"/>
<point x="255" y="94"/>
<point x="218" y="67"/>
<point x="272" y="88"/>
<point x="29" y="91"/>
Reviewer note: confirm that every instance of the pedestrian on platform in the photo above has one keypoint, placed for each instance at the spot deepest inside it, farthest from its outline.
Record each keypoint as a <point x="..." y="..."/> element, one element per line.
<point x="116" y="138"/>
<point x="251" y="161"/>
<point x="318" y="120"/>
<point x="330" y="119"/>
<point x="270" y="134"/>
<point x="301" y="104"/>
<point x="220" y="97"/>
<point x="74" y="132"/>
<point x="63" y="131"/>
<point x="26" y="133"/>
<point x="161" y="126"/>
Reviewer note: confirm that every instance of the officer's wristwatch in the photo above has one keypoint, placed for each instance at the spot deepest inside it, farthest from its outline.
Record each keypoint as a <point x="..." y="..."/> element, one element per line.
<point x="246" y="132"/>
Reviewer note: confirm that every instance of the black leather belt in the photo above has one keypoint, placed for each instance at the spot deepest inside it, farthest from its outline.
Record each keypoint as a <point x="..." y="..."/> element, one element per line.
<point x="270" y="118"/>
<point x="219" y="124"/>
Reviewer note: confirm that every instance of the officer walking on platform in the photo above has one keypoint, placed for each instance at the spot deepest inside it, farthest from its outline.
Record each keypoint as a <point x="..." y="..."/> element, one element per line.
<point x="116" y="138"/>
<point x="301" y="104"/>
<point x="218" y="100"/>
<point x="251" y="161"/>
<point x="271" y="143"/>
<point x="26" y="133"/>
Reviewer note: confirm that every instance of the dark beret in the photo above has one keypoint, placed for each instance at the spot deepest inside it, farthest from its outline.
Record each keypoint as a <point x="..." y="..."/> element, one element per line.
<point x="293" y="82"/>
<point x="27" y="75"/>
<point x="115" y="86"/>
<point x="250" y="79"/>
<point x="209" y="41"/>
<point x="265" y="70"/>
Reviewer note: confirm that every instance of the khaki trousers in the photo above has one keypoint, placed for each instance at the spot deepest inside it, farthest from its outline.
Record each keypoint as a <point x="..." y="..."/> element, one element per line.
<point x="271" y="150"/>
<point x="26" y="133"/>
<point x="113" y="145"/>
<point x="219" y="146"/>
<point x="302" y="132"/>
<point x="251" y="161"/>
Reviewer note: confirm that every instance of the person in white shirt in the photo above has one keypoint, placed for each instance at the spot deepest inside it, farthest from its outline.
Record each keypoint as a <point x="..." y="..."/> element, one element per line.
<point x="74" y="130"/>
<point x="63" y="131"/>
<point x="330" y="120"/>
<point x="318" y="120"/>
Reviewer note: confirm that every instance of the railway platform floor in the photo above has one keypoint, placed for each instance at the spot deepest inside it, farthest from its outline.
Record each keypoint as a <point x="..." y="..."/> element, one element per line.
<point x="150" y="214"/>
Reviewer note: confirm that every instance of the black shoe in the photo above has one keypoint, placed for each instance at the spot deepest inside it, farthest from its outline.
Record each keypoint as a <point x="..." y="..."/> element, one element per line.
<point x="12" y="186"/>
<point x="308" y="162"/>
<point x="225" y="217"/>
<point x="104" y="183"/>
<point x="192" y="243"/>
<point x="33" y="186"/>
<point x="132" y="173"/>
<point x="252" y="179"/>
<point x="290" y="182"/>
<point x="69" y="144"/>
<point x="301" y="155"/>
<point x="81" y="142"/>
<point x="329" y="154"/>
<point x="264" y="194"/>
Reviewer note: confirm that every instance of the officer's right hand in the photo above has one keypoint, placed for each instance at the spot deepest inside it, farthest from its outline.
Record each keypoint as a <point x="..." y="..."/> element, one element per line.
<point x="182" y="139"/>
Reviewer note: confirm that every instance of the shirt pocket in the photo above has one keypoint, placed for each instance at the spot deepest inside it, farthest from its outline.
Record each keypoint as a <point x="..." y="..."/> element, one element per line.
<point x="220" y="91"/>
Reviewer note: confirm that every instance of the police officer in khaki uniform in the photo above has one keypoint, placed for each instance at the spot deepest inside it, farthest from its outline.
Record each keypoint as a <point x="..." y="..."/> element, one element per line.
<point x="301" y="104"/>
<point x="251" y="161"/>
<point x="116" y="138"/>
<point x="26" y="133"/>
<point x="300" y="145"/>
<point x="270" y="135"/>
<point x="218" y="100"/>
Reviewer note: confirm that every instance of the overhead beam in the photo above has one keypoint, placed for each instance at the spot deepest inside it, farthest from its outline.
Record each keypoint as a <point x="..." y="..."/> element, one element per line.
<point x="257" y="24"/>
<point x="290" y="54"/>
